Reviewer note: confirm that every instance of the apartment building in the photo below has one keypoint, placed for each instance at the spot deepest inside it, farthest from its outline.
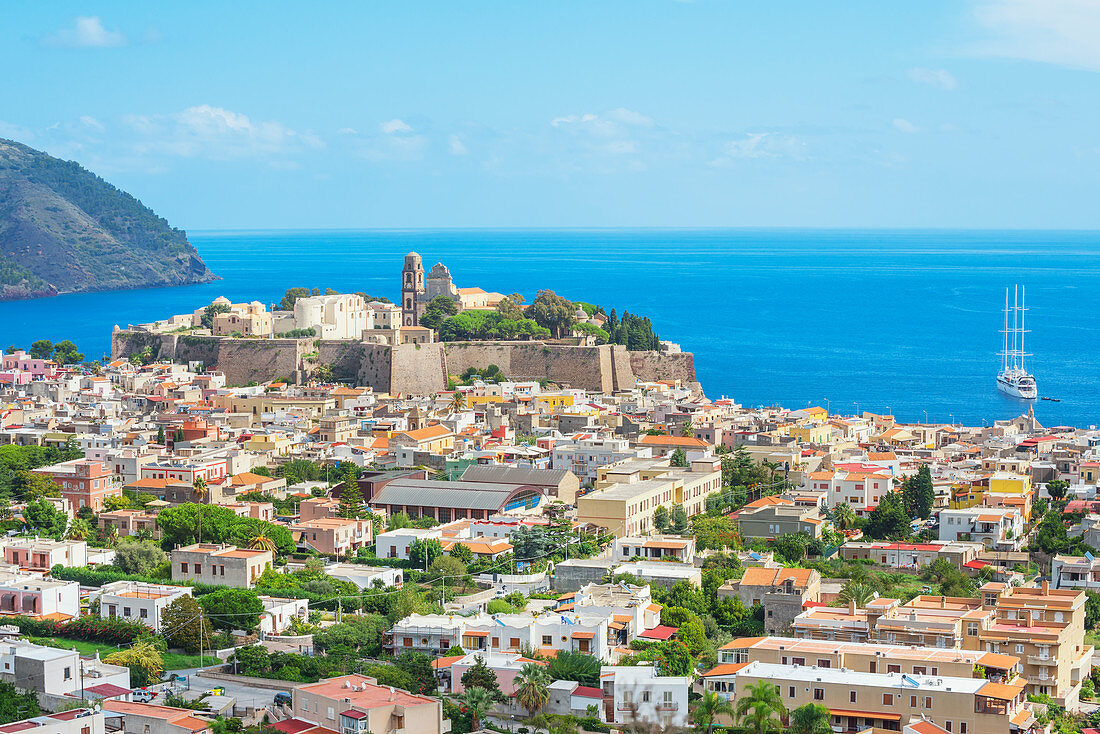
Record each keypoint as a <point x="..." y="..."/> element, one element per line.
<point x="1043" y="627"/>
<point x="862" y="489"/>
<point x="869" y="657"/>
<point x="628" y="493"/>
<point x="1075" y="572"/>
<point x="41" y="555"/>
<point x="279" y="614"/>
<point x="31" y="595"/>
<point x="772" y="517"/>
<point x="505" y="666"/>
<point x="225" y="565"/>
<point x="631" y="607"/>
<point x="655" y="548"/>
<point x="356" y="704"/>
<point x="912" y="555"/>
<point x="860" y="700"/>
<point x="639" y="695"/>
<point x="129" y="522"/>
<point x="333" y="536"/>
<point x="783" y="592"/>
<point x="83" y="482"/>
<point x="53" y="671"/>
<point x="584" y="454"/>
<point x="999" y="529"/>
<point x="137" y="601"/>
<point x="187" y="470"/>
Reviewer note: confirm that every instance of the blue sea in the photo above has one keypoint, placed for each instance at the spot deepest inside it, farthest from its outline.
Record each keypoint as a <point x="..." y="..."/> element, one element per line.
<point x="905" y="322"/>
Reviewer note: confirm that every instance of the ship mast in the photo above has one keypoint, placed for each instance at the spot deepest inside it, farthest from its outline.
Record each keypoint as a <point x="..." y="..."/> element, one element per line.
<point x="1016" y="329"/>
<point x="1022" y="353"/>
<point x="1004" y="338"/>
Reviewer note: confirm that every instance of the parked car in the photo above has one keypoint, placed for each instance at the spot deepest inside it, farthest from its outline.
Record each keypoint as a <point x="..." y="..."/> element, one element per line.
<point x="282" y="699"/>
<point x="144" y="695"/>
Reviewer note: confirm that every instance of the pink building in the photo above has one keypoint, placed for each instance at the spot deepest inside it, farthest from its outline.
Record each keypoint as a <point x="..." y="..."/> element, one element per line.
<point x="83" y="482"/>
<point x="333" y="536"/>
<point x="506" y="666"/>
<point x="23" y="362"/>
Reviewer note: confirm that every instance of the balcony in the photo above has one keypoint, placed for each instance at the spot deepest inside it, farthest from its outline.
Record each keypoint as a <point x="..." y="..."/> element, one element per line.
<point x="1037" y="660"/>
<point x="1041" y="680"/>
<point x="626" y="706"/>
<point x="668" y="706"/>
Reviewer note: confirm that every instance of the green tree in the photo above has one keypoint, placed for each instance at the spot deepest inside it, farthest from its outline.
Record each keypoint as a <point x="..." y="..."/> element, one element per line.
<point x="679" y="458"/>
<point x="351" y="497"/>
<point x="551" y="311"/>
<point x="461" y="553"/>
<point x="143" y="659"/>
<point x="423" y="551"/>
<point x="889" y="520"/>
<point x="477" y="701"/>
<point x="715" y="533"/>
<point x="232" y="609"/>
<point x="791" y="547"/>
<point x="184" y="625"/>
<point x="919" y="493"/>
<point x="1057" y="489"/>
<point x="761" y="708"/>
<point x="481" y="676"/>
<point x="844" y="517"/>
<point x="437" y="310"/>
<point x="42" y="349"/>
<point x="291" y="296"/>
<point x="418" y="667"/>
<point x="160" y="435"/>
<point x="676" y="658"/>
<point x="1092" y="610"/>
<point x="660" y="519"/>
<point x="857" y="591"/>
<point x="46" y="518"/>
<point x="812" y="718"/>
<point x="139" y="557"/>
<point x="678" y="519"/>
<point x="575" y="666"/>
<point x="15" y="706"/>
<point x="362" y="633"/>
<point x="531" y="687"/>
<point x="708" y="708"/>
<point x="65" y="352"/>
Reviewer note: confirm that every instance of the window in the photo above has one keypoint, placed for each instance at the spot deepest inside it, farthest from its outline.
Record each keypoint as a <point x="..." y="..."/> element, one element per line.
<point x="68" y="673"/>
<point x="198" y="568"/>
<point x="824" y="663"/>
<point x="645" y="696"/>
<point x="513" y="642"/>
<point x="928" y="702"/>
<point x="920" y="670"/>
<point x="331" y="712"/>
<point x="962" y="727"/>
<point x="888" y="699"/>
<point x="912" y="702"/>
<point x="819" y="694"/>
<point x="126" y="611"/>
<point x="143" y="613"/>
<point x="851" y="696"/>
<point x="183" y="568"/>
<point x="790" y="691"/>
<point x="893" y="668"/>
<point x="1019" y="648"/>
<point x="947" y="725"/>
<point x="547" y="640"/>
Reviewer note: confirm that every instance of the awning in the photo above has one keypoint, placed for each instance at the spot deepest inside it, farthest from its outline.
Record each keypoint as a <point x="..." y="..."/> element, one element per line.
<point x="1000" y="691"/>
<point x="474" y="633"/>
<point x="583" y="635"/>
<point x="865" y="714"/>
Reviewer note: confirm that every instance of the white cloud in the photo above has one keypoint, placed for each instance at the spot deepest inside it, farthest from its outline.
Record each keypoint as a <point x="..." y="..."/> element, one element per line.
<point x="395" y="126"/>
<point x="941" y="78"/>
<point x="630" y="117"/>
<point x="1062" y="32"/>
<point x="215" y="132"/>
<point x="347" y="131"/>
<point x="761" y="145"/>
<point x="456" y="146"/>
<point x="86" y="32"/>
<point x="903" y="125"/>
<point x="92" y="123"/>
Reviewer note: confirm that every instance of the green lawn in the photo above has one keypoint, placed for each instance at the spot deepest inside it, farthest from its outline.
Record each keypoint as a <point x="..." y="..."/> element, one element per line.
<point x="1092" y="637"/>
<point x="172" y="661"/>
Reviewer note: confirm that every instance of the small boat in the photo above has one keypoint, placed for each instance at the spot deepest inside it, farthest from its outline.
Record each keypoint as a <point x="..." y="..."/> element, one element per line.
<point x="1053" y="400"/>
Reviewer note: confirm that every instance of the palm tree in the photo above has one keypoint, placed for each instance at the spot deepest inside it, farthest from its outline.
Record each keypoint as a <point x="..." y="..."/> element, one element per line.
<point x="709" y="708"/>
<point x="110" y="535"/>
<point x="79" y="529"/>
<point x="813" y="718"/>
<point x="458" y="401"/>
<point x="857" y="591"/>
<point x="531" y="687"/>
<point x="844" y="516"/>
<point x="477" y="701"/>
<point x="261" y="542"/>
<point x="198" y="488"/>
<point x="761" y="707"/>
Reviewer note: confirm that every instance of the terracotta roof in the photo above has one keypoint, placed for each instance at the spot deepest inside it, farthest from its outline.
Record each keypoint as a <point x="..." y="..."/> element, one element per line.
<point x="758" y="576"/>
<point x="724" y="669"/>
<point x="679" y="441"/>
<point x="428" y="432"/>
<point x="1001" y="691"/>
<point x="865" y="714"/>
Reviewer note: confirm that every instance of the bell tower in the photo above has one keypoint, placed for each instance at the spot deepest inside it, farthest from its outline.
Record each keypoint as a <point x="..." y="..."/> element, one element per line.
<point x="412" y="284"/>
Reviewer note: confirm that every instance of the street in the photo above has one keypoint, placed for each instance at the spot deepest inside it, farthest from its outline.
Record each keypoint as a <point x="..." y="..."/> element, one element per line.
<point x="244" y="694"/>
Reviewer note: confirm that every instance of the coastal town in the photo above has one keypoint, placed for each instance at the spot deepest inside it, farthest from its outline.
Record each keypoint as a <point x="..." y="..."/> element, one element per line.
<point x="314" y="552"/>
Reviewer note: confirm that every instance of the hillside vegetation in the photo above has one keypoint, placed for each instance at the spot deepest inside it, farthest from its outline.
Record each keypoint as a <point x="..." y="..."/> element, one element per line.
<point x="64" y="229"/>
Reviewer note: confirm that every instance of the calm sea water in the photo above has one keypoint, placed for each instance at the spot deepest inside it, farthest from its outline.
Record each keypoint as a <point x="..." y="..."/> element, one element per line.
<point x="900" y="321"/>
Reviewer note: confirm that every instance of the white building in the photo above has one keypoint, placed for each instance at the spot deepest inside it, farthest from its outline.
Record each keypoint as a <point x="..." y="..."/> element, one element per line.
<point x="343" y="316"/>
<point x="396" y="543"/>
<point x="366" y="577"/>
<point x="1075" y="572"/>
<point x="74" y="721"/>
<point x="137" y="601"/>
<point x="637" y="694"/>
<point x="586" y="453"/>
<point x="995" y="528"/>
<point x="861" y="490"/>
<point x="29" y="593"/>
<point x="279" y="614"/>
<point x="56" y="672"/>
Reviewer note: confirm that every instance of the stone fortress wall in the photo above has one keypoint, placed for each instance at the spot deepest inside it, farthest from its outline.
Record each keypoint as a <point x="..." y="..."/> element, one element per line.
<point x="410" y="368"/>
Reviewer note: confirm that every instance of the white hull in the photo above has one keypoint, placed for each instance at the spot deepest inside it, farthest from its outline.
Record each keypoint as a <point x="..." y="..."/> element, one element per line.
<point x="1018" y="386"/>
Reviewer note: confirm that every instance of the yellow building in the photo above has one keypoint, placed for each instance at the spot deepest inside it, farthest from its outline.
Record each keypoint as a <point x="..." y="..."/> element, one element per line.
<point x="1010" y="490"/>
<point x="811" y="432"/>
<point x="472" y="400"/>
<point x="273" y="444"/>
<point x="551" y="400"/>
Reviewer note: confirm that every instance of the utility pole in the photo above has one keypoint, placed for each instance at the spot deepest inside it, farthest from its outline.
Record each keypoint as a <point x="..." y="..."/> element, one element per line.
<point x="81" y="677"/>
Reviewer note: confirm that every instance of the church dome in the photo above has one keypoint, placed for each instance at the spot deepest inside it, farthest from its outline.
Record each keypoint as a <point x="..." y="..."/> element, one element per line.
<point x="581" y="314"/>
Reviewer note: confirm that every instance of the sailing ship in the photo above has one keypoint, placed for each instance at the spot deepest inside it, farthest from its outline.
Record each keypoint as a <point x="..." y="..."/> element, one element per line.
<point x="1014" y="379"/>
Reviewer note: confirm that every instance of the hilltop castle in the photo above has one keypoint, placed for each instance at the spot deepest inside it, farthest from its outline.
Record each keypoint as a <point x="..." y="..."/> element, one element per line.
<point x="418" y="290"/>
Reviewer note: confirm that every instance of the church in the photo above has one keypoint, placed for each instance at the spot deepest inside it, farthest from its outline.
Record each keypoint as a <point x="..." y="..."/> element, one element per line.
<point x="418" y="290"/>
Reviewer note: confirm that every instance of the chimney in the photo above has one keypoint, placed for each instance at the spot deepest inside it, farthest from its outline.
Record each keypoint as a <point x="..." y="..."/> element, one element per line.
<point x="852" y="607"/>
<point x="943" y="602"/>
<point x="1046" y="587"/>
<point x="393" y="694"/>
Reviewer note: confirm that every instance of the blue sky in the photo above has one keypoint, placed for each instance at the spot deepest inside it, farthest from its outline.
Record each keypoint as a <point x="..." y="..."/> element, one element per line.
<point x="572" y="114"/>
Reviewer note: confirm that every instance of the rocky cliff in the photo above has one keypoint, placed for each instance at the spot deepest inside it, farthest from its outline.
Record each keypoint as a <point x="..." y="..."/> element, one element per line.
<point x="64" y="229"/>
